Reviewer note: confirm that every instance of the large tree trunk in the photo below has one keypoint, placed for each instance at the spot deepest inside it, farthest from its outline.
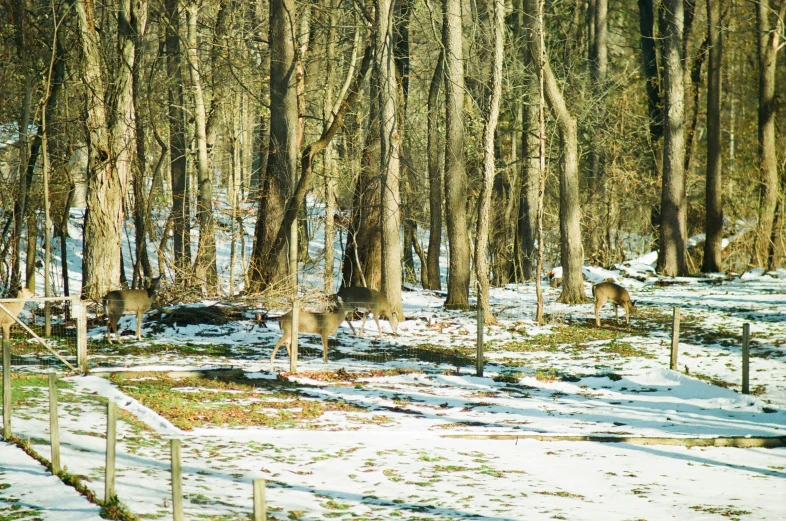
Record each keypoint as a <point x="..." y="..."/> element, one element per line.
<point x="489" y="166"/>
<point x="103" y="223"/>
<point x="434" y="178"/>
<point x="714" y="188"/>
<point x="571" y="253"/>
<point x="651" y="68"/>
<point x="673" y="212"/>
<point x="282" y="158"/>
<point x="205" y="273"/>
<point x="181" y="208"/>
<point x="455" y="175"/>
<point x="390" y="148"/>
<point x="768" y="42"/>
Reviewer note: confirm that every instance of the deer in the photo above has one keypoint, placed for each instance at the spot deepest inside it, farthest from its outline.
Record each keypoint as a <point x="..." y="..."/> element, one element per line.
<point x="369" y="300"/>
<point x="124" y="301"/>
<point x="619" y="296"/>
<point x="8" y="318"/>
<point x="323" y="324"/>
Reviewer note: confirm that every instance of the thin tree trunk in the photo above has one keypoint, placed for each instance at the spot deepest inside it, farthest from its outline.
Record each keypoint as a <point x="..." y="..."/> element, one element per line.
<point x="205" y="273"/>
<point x="530" y="184"/>
<point x="571" y="253"/>
<point x="455" y="174"/>
<point x="434" y="178"/>
<point x="181" y="207"/>
<point x="714" y="188"/>
<point x="489" y="166"/>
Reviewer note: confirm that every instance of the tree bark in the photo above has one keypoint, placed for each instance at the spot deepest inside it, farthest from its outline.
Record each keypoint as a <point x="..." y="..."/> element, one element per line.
<point x="651" y="68"/>
<point x="205" y="273"/>
<point x="455" y="174"/>
<point x="434" y="177"/>
<point x="673" y="213"/>
<point x="768" y="43"/>
<point x="181" y="207"/>
<point x="714" y="188"/>
<point x="571" y="253"/>
<point x="489" y="166"/>
<point x="103" y="222"/>
<point x="529" y="186"/>
<point x="264" y="269"/>
<point x="390" y="149"/>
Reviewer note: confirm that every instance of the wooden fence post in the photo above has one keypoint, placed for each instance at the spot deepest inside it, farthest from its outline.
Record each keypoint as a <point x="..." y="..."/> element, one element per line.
<point x="6" y="389"/>
<point x="675" y="338"/>
<point x="54" y="430"/>
<point x="260" y="504"/>
<point x="479" y="350"/>
<point x="746" y="341"/>
<point x="111" y="443"/>
<point x="177" y="481"/>
<point x="293" y="341"/>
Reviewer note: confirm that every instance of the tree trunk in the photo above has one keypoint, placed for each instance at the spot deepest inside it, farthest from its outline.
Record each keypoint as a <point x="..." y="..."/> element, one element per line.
<point x="489" y="166"/>
<point x="671" y="251"/>
<point x="103" y="226"/>
<point x="571" y="253"/>
<point x="455" y="175"/>
<point x="434" y="178"/>
<point x="530" y="184"/>
<point x="282" y="158"/>
<point x="390" y="149"/>
<point x="714" y="188"/>
<point x="768" y="42"/>
<point x="651" y="68"/>
<point x="181" y="207"/>
<point x="205" y="273"/>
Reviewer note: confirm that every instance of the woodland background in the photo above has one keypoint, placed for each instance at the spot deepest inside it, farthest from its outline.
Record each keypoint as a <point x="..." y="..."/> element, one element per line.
<point x="598" y="129"/>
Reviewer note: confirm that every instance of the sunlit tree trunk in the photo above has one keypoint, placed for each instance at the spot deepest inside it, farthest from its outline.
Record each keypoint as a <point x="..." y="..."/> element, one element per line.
<point x="434" y="178"/>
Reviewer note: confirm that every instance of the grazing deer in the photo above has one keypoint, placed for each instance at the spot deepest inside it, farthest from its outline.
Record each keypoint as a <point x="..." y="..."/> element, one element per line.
<point x="7" y="320"/>
<point x="619" y="296"/>
<point x="369" y="300"/>
<point x="323" y="324"/>
<point x="124" y="301"/>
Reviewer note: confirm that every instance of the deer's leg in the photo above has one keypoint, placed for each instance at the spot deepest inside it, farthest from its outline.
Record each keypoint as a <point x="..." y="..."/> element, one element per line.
<point x="598" y="304"/>
<point x="351" y="326"/>
<point x="379" y="329"/>
<point x="324" y="348"/>
<point x="139" y="325"/>
<point x="111" y="326"/>
<point x="278" y="344"/>
<point x="617" y="312"/>
<point x="363" y="325"/>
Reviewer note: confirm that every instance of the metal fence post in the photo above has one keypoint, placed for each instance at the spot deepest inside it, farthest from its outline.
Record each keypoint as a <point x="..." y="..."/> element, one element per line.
<point x="80" y="314"/>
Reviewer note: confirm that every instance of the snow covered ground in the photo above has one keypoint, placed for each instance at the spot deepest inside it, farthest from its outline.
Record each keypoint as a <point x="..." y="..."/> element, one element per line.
<point x="402" y="428"/>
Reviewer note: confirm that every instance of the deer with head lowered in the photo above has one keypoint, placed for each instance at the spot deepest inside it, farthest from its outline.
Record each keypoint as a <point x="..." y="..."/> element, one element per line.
<point x="323" y="324"/>
<point x="7" y="321"/>
<point x="619" y="296"/>
<point x="369" y="300"/>
<point x="124" y="301"/>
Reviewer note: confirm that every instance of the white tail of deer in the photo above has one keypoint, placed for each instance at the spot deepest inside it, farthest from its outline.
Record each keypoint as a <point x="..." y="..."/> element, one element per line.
<point x="369" y="300"/>
<point x="7" y="321"/>
<point x="323" y="324"/>
<point x="619" y="296"/>
<point x="125" y="301"/>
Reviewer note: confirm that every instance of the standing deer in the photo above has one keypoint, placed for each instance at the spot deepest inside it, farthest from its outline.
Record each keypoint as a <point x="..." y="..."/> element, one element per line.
<point x="323" y="324"/>
<point x="369" y="300"/>
<point x="124" y="301"/>
<point x="7" y="320"/>
<point x="619" y="296"/>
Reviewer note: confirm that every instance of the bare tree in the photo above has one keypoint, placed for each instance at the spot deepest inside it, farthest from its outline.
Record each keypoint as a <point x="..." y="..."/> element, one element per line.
<point x="769" y="34"/>
<point x="714" y="188"/>
<point x="571" y="252"/>
<point x="434" y="177"/>
<point x="489" y="163"/>
<point x="455" y="174"/>
<point x="390" y="148"/>
<point x="673" y="211"/>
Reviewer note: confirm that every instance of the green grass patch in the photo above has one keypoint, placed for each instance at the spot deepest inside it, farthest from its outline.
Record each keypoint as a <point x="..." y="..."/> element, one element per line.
<point x="625" y="350"/>
<point x="234" y="402"/>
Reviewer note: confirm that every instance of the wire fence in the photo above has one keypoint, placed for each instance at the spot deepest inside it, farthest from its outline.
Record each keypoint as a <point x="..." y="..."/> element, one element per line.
<point x="46" y="332"/>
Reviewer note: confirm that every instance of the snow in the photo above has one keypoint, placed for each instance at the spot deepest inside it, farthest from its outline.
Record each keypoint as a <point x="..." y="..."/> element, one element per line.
<point x="421" y="444"/>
